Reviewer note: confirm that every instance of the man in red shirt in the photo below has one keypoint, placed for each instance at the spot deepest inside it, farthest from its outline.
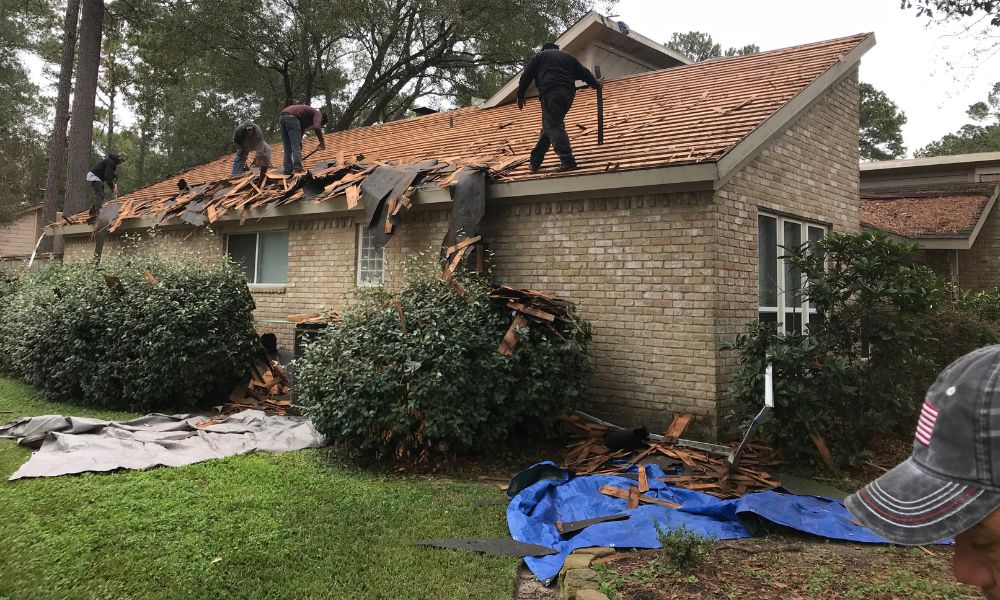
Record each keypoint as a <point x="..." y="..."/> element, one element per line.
<point x="296" y="120"/>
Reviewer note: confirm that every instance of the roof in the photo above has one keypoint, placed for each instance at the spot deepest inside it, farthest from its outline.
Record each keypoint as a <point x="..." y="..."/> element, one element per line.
<point x="690" y="115"/>
<point x="931" y="161"/>
<point x="595" y="27"/>
<point x="949" y="211"/>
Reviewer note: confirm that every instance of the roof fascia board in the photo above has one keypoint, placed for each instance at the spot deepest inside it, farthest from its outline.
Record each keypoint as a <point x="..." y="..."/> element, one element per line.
<point x="984" y="215"/>
<point x="664" y="179"/>
<point x="976" y="158"/>
<point x="619" y="53"/>
<point x="758" y="139"/>
<point x="925" y="243"/>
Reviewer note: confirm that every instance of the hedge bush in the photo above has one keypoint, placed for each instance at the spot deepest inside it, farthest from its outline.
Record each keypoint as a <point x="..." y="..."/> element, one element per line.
<point x="137" y="346"/>
<point x="888" y="326"/>
<point x="441" y="386"/>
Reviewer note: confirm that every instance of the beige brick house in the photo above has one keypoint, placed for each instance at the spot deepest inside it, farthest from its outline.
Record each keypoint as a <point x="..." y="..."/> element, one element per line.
<point x="944" y="204"/>
<point x="667" y="237"/>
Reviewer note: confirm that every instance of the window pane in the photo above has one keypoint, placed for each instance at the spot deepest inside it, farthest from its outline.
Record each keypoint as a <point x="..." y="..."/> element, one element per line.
<point x="793" y="322"/>
<point x="272" y="262"/>
<point x="767" y="255"/>
<point x="793" y="280"/>
<point x="767" y="317"/>
<point x="815" y="235"/>
<point x="242" y="249"/>
<point x="815" y="320"/>
<point x="370" y="260"/>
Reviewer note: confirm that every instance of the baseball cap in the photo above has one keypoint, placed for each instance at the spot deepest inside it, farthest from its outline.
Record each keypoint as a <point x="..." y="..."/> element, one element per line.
<point x="952" y="479"/>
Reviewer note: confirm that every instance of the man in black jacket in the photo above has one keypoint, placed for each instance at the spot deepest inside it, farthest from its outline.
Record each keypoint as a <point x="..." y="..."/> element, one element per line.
<point x="555" y="73"/>
<point x="104" y="172"/>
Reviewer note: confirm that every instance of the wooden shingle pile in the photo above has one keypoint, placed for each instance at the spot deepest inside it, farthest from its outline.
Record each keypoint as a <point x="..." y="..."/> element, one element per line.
<point x="531" y="308"/>
<point x="702" y="471"/>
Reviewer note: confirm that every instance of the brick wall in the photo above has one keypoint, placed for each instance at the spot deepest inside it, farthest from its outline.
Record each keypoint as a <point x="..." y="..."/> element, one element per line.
<point x="809" y="172"/>
<point x="979" y="267"/>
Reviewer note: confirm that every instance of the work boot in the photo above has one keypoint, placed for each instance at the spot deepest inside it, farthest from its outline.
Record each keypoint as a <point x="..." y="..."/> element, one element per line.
<point x="566" y="166"/>
<point x="534" y="166"/>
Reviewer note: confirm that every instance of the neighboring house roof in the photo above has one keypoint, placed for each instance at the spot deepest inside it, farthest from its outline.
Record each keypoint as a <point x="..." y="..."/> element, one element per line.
<point x="931" y="161"/>
<point x="950" y="215"/>
<point x="694" y="123"/>
<point x="595" y="27"/>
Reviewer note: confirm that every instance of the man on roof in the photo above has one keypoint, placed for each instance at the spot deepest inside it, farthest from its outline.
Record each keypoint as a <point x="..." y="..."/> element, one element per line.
<point x="104" y="173"/>
<point x="554" y="72"/>
<point x="247" y="137"/>
<point x="296" y="120"/>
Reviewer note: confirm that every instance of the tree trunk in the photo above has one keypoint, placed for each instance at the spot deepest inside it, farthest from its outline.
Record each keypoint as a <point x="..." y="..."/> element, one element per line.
<point x="57" y="149"/>
<point x="111" y="116"/>
<point x="81" y="128"/>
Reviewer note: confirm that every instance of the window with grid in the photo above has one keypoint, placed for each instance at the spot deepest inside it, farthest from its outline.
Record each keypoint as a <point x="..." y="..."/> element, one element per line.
<point x="263" y="256"/>
<point x="371" y="264"/>
<point x="779" y="286"/>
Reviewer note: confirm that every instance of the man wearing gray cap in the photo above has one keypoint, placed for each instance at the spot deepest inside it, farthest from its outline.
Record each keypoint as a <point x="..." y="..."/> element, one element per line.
<point x="950" y="485"/>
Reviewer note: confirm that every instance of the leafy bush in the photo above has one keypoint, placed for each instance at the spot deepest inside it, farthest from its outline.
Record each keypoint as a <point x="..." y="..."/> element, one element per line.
<point x="861" y="370"/>
<point x="135" y="345"/>
<point x="682" y="547"/>
<point x="441" y="386"/>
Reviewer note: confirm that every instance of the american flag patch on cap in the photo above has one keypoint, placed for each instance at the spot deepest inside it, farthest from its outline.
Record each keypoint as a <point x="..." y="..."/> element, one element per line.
<point x="925" y="426"/>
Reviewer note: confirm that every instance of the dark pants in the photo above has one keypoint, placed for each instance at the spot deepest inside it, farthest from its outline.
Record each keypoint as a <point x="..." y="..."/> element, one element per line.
<point x="291" y="139"/>
<point x="240" y="162"/>
<point x="556" y="102"/>
<point x="98" y="187"/>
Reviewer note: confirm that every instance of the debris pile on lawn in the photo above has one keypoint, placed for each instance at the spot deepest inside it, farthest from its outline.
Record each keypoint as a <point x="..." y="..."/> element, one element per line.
<point x="534" y="308"/>
<point x="702" y="470"/>
<point x="268" y="390"/>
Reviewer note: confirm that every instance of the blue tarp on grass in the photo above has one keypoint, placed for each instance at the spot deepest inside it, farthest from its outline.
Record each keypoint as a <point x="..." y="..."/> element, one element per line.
<point x="532" y="516"/>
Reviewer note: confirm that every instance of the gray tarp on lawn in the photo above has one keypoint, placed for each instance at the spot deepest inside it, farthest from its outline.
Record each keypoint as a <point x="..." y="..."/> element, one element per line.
<point x="75" y="444"/>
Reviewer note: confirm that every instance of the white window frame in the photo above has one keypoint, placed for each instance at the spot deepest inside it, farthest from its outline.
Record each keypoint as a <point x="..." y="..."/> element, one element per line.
<point x="805" y="307"/>
<point x="256" y="258"/>
<point x="360" y="260"/>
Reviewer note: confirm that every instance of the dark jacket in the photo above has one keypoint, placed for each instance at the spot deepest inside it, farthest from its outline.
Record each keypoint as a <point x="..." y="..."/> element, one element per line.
<point x="107" y="170"/>
<point x="554" y="68"/>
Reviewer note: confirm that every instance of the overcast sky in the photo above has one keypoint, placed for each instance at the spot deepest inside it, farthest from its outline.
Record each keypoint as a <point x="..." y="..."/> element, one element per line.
<point x="928" y="70"/>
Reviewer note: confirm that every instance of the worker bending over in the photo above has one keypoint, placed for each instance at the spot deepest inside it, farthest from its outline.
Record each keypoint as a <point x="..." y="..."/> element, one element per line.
<point x="104" y="173"/>
<point x="247" y="137"/>
<point x="555" y="73"/>
<point x="295" y="121"/>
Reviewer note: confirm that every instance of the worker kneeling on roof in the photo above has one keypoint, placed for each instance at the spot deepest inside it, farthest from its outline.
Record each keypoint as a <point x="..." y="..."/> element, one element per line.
<point x="247" y="137"/>
<point x="555" y="73"/>
<point x="950" y="485"/>
<point x="104" y="173"/>
<point x="295" y="121"/>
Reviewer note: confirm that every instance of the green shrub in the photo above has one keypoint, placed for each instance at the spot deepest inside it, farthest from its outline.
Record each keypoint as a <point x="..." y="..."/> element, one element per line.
<point x="860" y="371"/>
<point x="682" y="547"/>
<point x="442" y="386"/>
<point x="136" y="346"/>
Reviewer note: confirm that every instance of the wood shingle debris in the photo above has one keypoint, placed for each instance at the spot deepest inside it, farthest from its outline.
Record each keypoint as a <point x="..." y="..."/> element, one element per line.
<point x="204" y="203"/>
<point x="536" y="309"/>
<point x="702" y="471"/>
<point x="268" y="390"/>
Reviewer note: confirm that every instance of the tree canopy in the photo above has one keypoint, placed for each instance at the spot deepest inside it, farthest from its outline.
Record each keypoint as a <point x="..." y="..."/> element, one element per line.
<point x="699" y="46"/>
<point x="982" y="135"/>
<point x="955" y="9"/>
<point x="880" y="136"/>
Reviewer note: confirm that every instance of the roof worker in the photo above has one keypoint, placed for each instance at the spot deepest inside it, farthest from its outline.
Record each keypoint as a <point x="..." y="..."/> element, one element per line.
<point x="555" y="73"/>
<point x="247" y="137"/>
<point x="296" y="120"/>
<point x="104" y="172"/>
<point x="950" y="485"/>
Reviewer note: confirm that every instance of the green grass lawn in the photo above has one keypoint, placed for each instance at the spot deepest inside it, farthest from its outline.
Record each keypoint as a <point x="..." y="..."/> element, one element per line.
<point x="298" y="525"/>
